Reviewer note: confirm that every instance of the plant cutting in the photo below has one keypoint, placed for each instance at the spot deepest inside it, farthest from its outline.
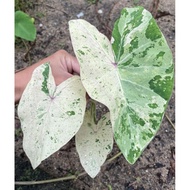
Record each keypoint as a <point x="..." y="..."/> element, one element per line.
<point x="132" y="75"/>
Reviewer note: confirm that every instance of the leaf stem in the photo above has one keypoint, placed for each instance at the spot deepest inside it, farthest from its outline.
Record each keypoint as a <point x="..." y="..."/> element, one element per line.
<point x="63" y="178"/>
<point x="27" y="51"/>
<point x="113" y="158"/>
<point x="46" y="181"/>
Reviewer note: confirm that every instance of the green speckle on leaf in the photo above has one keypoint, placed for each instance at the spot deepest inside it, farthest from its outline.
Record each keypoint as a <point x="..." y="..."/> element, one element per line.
<point x="170" y="69"/>
<point x="159" y="59"/>
<point x="155" y="123"/>
<point x="144" y="53"/>
<point x="70" y="113"/>
<point x="154" y="115"/>
<point x="134" y="152"/>
<point x="162" y="86"/>
<point x="155" y="119"/>
<point x="152" y="31"/>
<point x="108" y="147"/>
<point x="160" y="54"/>
<point x="147" y="135"/>
<point x="41" y="115"/>
<point x="134" y="44"/>
<point x="108" y="122"/>
<point x="106" y="46"/>
<point x="45" y="73"/>
<point x="135" y="65"/>
<point x="135" y="118"/>
<point x="125" y="129"/>
<point x="84" y="36"/>
<point x="103" y="117"/>
<point x="127" y="62"/>
<point x="81" y="52"/>
<point x="76" y="102"/>
<point x="124" y="12"/>
<point x="153" y="105"/>
<point x="136" y="17"/>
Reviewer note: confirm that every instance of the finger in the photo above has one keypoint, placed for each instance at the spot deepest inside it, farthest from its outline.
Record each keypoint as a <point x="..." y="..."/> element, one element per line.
<point x="62" y="78"/>
<point x="70" y="62"/>
<point x="75" y="65"/>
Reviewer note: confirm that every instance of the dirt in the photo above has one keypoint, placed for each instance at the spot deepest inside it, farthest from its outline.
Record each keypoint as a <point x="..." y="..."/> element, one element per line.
<point x="155" y="169"/>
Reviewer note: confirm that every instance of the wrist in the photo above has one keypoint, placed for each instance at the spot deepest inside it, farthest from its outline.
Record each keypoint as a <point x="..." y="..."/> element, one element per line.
<point x="19" y="86"/>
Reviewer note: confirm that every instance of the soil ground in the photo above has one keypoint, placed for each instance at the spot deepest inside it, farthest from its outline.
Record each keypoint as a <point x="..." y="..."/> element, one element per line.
<point x="155" y="169"/>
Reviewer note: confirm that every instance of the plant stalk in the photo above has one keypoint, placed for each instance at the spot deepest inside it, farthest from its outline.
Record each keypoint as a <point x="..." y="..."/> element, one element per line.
<point x="27" y="51"/>
<point x="63" y="178"/>
<point x="50" y="180"/>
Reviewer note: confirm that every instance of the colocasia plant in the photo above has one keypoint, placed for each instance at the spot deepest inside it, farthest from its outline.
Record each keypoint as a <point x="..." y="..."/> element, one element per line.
<point x="132" y="75"/>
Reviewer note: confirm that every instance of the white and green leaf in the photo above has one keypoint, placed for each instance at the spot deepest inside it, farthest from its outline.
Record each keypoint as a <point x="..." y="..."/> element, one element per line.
<point x="98" y="70"/>
<point x="133" y="76"/>
<point x="94" y="142"/>
<point x="50" y="115"/>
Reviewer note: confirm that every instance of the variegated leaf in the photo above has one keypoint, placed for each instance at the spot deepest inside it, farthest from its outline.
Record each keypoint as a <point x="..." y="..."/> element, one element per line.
<point x="94" y="142"/>
<point x="50" y="115"/>
<point x="134" y="80"/>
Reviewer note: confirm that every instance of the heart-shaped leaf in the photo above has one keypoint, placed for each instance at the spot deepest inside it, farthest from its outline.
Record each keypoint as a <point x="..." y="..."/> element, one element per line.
<point x="50" y="115"/>
<point x="24" y="26"/>
<point x="94" y="142"/>
<point x="134" y="80"/>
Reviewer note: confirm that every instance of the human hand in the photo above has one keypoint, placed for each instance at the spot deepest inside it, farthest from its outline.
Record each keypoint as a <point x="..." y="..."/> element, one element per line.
<point x="63" y="66"/>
